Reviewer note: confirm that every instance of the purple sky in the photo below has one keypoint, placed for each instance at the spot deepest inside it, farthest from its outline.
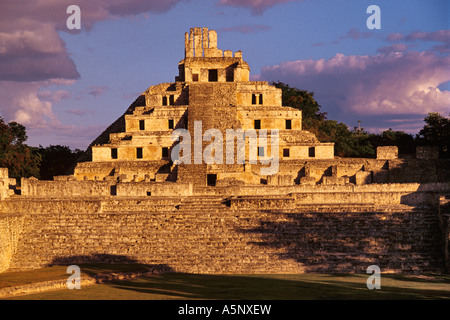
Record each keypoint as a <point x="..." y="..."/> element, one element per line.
<point x="67" y="86"/>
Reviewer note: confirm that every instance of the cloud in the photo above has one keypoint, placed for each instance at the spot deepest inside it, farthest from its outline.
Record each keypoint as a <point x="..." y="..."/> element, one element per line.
<point x="257" y="6"/>
<point x="388" y="83"/>
<point x="33" y="55"/>
<point x="355" y="34"/>
<point x="442" y="37"/>
<point x="246" y="28"/>
<point x="79" y="112"/>
<point x="97" y="90"/>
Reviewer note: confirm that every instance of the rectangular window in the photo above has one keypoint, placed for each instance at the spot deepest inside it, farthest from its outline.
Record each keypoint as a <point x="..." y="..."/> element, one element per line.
<point x="261" y="99"/>
<point x="211" y="179"/>
<point x="139" y="153"/>
<point x="114" y="153"/>
<point x="257" y="124"/>
<point x="113" y="190"/>
<point x="286" y="153"/>
<point x="288" y="124"/>
<point x="141" y="124"/>
<point x="312" y="152"/>
<point x="260" y="151"/>
<point x="230" y="74"/>
<point x="165" y="152"/>
<point x="212" y="75"/>
<point x="172" y="100"/>
<point x="164" y="101"/>
<point x="170" y="124"/>
<point x="253" y="98"/>
<point x="195" y="77"/>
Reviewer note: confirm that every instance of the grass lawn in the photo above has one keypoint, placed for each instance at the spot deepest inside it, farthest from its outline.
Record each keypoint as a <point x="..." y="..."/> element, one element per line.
<point x="227" y="287"/>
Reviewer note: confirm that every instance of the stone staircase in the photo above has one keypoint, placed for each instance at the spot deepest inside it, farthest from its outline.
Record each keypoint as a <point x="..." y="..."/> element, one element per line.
<point x="203" y="204"/>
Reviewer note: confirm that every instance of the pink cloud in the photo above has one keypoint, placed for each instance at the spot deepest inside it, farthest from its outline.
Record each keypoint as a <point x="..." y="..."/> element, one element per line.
<point x="387" y="83"/>
<point x="442" y="37"/>
<point x="33" y="55"/>
<point x="97" y="90"/>
<point x="246" y="28"/>
<point x="257" y="6"/>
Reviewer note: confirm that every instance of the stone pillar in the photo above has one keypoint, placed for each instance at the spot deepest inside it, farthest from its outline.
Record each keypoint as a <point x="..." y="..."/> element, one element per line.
<point x="198" y="51"/>
<point x="212" y="39"/>
<point x="205" y="38"/>
<point x="188" y="45"/>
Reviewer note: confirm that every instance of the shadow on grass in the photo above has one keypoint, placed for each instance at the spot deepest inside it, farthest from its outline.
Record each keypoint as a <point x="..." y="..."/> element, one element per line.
<point x="280" y="287"/>
<point x="96" y="264"/>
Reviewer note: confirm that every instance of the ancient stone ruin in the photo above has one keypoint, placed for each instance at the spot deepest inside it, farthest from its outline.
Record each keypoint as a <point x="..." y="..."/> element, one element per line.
<point x="212" y="174"/>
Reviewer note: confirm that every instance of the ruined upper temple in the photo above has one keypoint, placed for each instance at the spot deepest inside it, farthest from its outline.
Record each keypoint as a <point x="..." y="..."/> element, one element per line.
<point x="212" y="88"/>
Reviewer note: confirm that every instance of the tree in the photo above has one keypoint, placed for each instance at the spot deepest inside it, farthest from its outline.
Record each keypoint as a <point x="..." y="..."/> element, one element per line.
<point x="436" y="132"/>
<point x="15" y="155"/>
<point x="405" y="142"/>
<point x="57" y="160"/>
<point x="304" y="101"/>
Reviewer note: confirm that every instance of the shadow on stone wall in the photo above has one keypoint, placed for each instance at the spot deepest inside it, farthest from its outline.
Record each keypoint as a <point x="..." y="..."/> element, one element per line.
<point x="406" y="241"/>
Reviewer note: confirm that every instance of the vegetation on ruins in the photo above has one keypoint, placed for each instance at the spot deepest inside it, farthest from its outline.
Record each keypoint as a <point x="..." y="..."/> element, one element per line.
<point x="436" y="132"/>
<point x="15" y="155"/>
<point x="357" y="142"/>
<point x="56" y="160"/>
<point x="26" y="161"/>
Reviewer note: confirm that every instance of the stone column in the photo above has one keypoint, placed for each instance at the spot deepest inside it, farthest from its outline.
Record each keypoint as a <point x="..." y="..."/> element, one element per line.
<point x="198" y="51"/>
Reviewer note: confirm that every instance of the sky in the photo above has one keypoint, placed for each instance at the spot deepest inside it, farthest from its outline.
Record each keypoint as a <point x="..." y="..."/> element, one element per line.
<point x="67" y="85"/>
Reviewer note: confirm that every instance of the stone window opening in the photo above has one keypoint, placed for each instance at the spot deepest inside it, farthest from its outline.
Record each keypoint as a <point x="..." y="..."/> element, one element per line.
<point x="170" y="123"/>
<point x="164" y="101"/>
<point x="195" y="77"/>
<point x="141" y="124"/>
<point x="172" y="100"/>
<point x="212" y="75"/>
<point x="288" y="124"/>
<point x="114" y="153"/>
<point x="286" y="153"/>
<point x="257" y="98"/>
<point x="165" y="152"/>
<point x="211" y="179"/>
<point x="139" y="153"/>
<point x="312" y="152"/>
<point x="229" y="75"/>
<point x="257" y="124"/>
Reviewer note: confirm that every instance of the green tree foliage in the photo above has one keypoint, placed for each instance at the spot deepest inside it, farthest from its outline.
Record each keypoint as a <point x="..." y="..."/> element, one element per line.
<point x="436" y="132"/>
<point x="302" y="100"/>
<point x="57" y="160"/>
<point x="15" y="155"/>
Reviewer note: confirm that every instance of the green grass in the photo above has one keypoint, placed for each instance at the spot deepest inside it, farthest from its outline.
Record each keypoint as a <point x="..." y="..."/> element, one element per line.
<point x="240" y="287"/>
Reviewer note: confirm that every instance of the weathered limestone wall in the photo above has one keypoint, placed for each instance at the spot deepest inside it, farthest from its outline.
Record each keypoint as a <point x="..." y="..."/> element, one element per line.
<point x="10" y="229"/>
<point x="201" y="235"/>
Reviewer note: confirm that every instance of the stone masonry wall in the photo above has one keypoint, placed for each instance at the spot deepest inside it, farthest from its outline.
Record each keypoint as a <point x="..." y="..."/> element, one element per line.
<point x="205" y="235"/>
<point x="10" y="227"/>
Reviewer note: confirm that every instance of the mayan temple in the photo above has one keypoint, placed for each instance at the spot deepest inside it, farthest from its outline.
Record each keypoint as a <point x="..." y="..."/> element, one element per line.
<point x="212" y="174"/>
<point x="212" y="91"/>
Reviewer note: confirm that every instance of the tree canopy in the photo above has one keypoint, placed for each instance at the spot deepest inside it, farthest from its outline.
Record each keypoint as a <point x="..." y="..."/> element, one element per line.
<point x="15" y="155"/>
